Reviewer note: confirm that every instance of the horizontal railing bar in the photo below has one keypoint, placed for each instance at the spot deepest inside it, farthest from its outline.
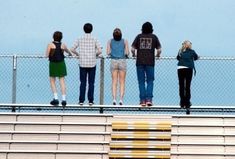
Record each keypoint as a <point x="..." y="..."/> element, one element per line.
<point x="112" y="106"/>
<point x="106" y="57"/>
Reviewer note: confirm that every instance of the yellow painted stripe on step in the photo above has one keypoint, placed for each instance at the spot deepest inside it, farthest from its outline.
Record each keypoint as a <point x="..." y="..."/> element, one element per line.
<point x="119" y="136"/>
<point x="168" y="124"/>
<point x="141" y="136"/>
<point x="163" y="128"/>
<point x="119" y="125"/>
<point x="165" y="147"/>
<point x="115" y="156"/>
<point x="140" y="125"/>
<point x="164" y="137"/>
<point x="139" y="156"/>
<point x="141" y="132"/>
<point x="143" y="152"/>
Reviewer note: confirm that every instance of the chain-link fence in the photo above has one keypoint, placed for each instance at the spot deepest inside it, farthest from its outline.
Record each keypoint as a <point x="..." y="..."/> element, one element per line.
<point x="25" y="79"/>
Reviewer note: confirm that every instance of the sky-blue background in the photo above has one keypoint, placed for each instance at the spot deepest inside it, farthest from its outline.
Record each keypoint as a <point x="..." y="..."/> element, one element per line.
<point x="27" y="25"/>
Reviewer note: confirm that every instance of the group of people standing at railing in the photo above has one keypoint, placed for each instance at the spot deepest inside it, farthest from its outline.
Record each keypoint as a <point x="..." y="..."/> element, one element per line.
<point x="145" y="47"/>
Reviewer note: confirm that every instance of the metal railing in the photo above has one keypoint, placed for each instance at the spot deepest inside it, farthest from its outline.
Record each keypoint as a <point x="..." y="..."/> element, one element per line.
<point x="25" y="79"/>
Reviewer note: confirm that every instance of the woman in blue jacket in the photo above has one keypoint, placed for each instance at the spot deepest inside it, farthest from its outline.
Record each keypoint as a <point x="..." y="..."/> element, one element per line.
<point x="186" y="58"/>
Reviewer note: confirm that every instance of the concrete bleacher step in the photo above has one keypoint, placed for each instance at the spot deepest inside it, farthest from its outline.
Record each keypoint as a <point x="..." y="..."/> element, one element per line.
<point x="55" y="117"/>
<point x="54" y="145"/>
<point x="203" y="137"/>
<point x="55" y="126"/>
<point x="54" y="136"/>
<point x="32" y="154"/>
<point x="177" y="155"/>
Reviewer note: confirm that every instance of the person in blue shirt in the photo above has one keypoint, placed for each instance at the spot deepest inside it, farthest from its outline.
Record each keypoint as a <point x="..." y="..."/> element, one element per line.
<point x="118" y="50"/>
<point x="186" y="57"/>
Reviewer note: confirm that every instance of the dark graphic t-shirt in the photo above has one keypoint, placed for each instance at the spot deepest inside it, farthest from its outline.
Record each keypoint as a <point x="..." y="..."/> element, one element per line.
<point x="146" y="45"/>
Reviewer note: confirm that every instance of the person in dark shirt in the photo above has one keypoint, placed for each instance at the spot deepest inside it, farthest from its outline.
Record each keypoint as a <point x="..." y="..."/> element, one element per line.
<point x="186" y="57"/>
<point x="144" y="47"/>
<point x="57" y="68"/>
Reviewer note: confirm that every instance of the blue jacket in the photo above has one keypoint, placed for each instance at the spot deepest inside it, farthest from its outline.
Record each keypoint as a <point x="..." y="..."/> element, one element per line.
<point x="187" y="58"/>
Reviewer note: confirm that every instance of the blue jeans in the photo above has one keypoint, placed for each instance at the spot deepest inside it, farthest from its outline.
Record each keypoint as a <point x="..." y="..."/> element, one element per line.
<point x="84" y="73"/>
<point x="145" y="74"/>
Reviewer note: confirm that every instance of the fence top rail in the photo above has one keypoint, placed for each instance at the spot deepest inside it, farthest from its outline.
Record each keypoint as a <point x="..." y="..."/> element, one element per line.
<point x="115" y="106"/>
<point x="122" y="108"/>
<point x="106" y="57"/>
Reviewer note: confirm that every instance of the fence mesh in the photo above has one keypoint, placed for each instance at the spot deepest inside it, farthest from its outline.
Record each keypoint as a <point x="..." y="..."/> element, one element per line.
<point x="213" y="84"/>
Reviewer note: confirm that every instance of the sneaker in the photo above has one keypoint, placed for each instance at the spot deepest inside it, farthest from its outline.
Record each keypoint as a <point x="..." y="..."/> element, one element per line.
<point x="114" y="102"/>
<point x="120" y="102"/>
<point x="142" y="103"/>
<point x="54" y="102"/>
<point x="91" y="103"/>
<point x="80" y="103"/>
<point x="149" y="103"/>
<point x="63" y="103"/>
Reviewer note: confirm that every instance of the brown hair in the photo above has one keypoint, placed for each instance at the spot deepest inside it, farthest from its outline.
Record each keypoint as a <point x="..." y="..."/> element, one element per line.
<point x="117" y="34"/>
<point x="57" y="36"/>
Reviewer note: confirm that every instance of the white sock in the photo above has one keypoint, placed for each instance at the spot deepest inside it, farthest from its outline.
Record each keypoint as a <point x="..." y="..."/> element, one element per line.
<point x="64" y="97"/>
<point x="55" y="96"/>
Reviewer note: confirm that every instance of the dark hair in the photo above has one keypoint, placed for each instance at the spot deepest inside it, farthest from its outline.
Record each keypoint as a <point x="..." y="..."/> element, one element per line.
<point x="57" y="36"/>
<point x="88" y="28"/>
<point x="147" y="28"/>
<point x="117" y="34"/>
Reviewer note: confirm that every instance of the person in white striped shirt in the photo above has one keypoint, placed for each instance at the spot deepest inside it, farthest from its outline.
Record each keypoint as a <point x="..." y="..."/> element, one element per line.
<point x="88" y="49"/>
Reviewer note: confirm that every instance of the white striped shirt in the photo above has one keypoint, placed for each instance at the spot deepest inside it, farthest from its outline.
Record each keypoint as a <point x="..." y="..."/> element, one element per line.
<point x="88" y="47"/>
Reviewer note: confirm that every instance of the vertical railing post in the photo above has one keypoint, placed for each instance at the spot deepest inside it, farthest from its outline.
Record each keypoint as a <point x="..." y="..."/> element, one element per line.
<point x="101" y="81"/>
<point x="14" y="79"/>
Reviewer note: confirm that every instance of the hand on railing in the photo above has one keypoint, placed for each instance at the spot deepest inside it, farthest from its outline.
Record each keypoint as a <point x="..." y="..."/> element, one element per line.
<point x="157" y="57"/>
<point x="108" y="56"/>
<point x="100" y="56"/>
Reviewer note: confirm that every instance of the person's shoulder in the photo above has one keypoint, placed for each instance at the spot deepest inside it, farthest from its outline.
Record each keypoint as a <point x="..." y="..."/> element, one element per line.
<point x="139" y="35"/>
<point x="154" y="36"/>
<point x="51" y="45"/>
<point x="125" y="40"/>
<point x="63" y="45"/>
<point x="191" y="50"/>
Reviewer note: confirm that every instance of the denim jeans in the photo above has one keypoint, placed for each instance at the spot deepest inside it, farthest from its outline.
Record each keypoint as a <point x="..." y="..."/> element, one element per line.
<point x="87" y="73"/>
<point x="145" y="74"/>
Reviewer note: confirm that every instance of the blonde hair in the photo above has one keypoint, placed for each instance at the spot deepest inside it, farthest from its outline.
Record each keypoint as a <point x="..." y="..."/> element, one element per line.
<point x="185" y="45"/>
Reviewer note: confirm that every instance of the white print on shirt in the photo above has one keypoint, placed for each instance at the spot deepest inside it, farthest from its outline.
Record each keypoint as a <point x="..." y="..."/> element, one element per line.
<point x="145" y="43"/>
